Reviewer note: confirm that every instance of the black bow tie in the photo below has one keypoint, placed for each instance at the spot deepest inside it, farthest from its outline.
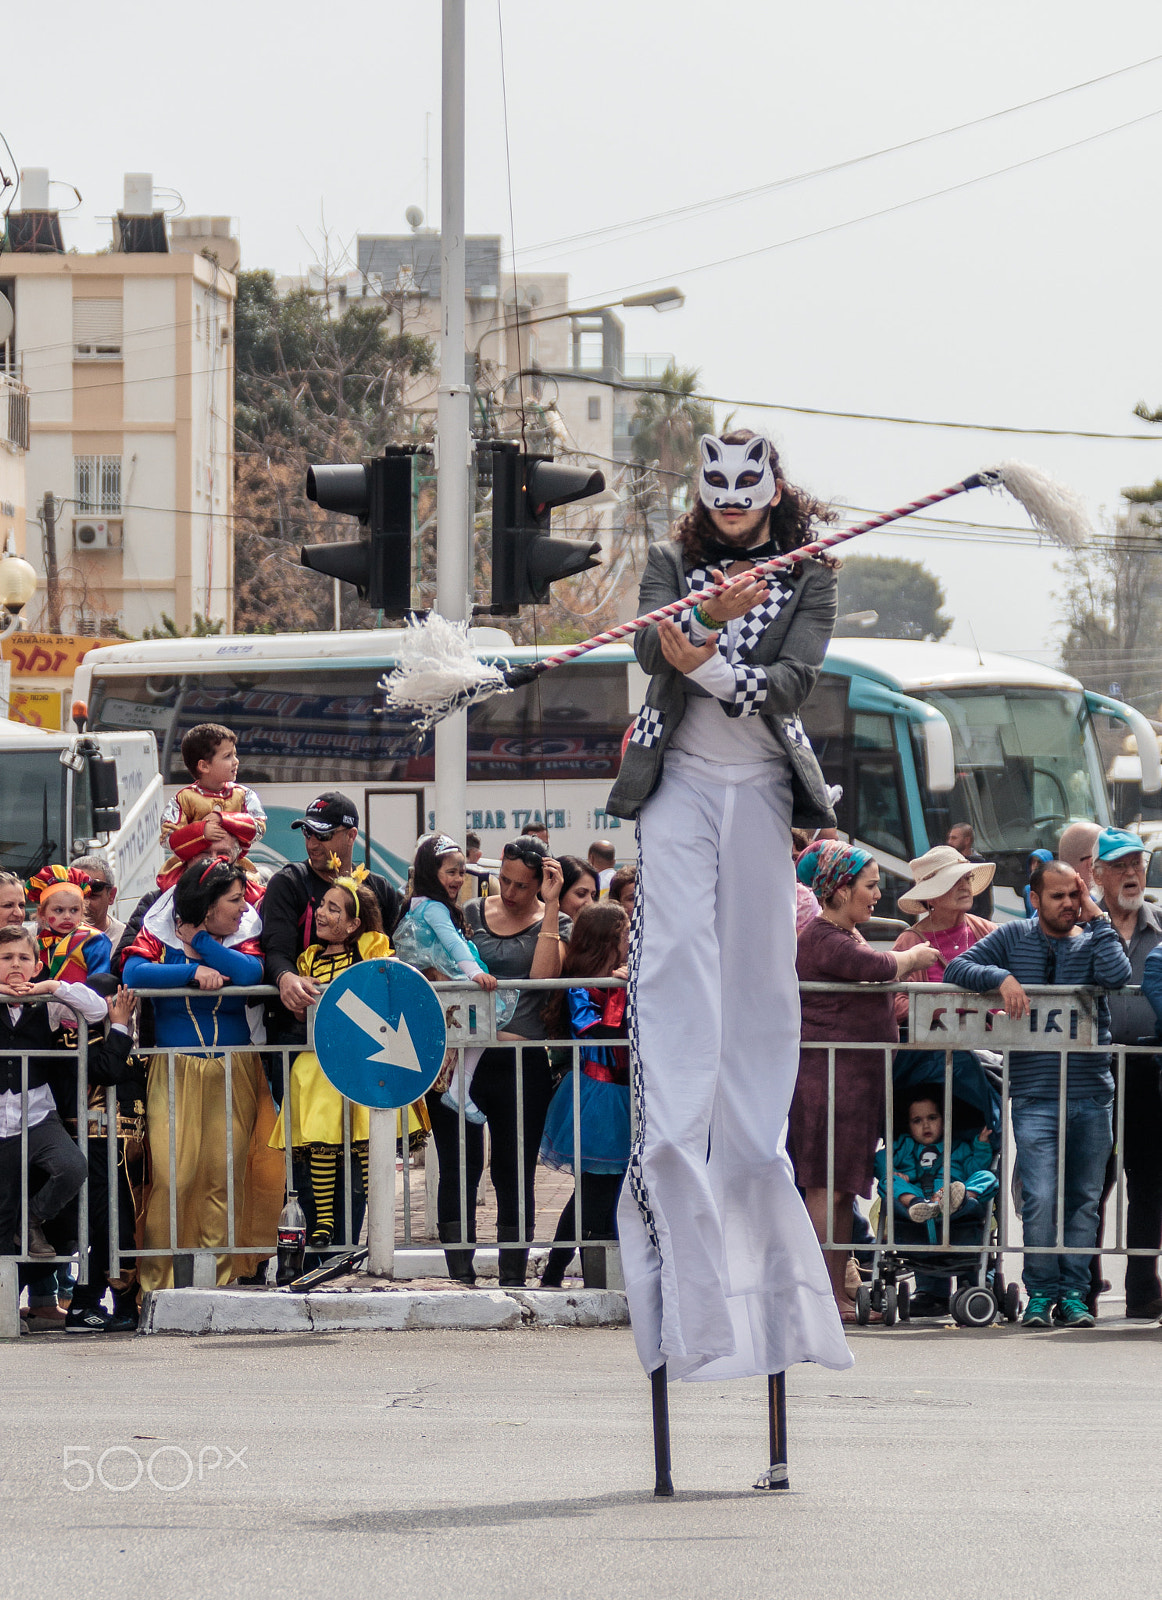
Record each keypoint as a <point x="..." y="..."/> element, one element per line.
<point x="723" y="554"/>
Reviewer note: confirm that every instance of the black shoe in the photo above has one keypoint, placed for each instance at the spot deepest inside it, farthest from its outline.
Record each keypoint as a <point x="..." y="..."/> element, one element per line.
<point x="95" y="1319"/>
<point x="1148" y="1311"/>
<point x="927" y="1305"/>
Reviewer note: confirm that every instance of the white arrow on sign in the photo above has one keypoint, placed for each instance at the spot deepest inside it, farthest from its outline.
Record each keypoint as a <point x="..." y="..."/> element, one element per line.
<point x="401" y="1052"/>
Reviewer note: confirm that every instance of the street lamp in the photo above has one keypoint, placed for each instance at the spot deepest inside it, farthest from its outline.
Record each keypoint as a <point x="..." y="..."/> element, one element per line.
<point x="658" y="299"/>
<point x="17" y="587"/>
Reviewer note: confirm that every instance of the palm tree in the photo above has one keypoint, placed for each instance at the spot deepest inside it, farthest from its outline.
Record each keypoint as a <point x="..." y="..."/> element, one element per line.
<point x="667" y="424"/>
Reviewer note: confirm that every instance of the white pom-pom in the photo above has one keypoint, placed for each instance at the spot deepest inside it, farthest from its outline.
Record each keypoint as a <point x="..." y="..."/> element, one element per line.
<point x="436" y="670"/>
<point x="1052" y="507"/>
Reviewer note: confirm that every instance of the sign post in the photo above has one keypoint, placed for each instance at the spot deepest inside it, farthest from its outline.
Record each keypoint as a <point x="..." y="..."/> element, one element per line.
<point x="380" y="1038"/>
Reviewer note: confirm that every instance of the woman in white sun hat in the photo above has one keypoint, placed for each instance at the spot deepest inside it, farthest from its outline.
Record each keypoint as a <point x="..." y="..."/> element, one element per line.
<point x="942" y="893"/>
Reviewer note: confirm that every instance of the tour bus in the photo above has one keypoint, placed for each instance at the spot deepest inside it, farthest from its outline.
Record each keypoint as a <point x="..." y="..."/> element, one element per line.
<point x="917" y="735"/>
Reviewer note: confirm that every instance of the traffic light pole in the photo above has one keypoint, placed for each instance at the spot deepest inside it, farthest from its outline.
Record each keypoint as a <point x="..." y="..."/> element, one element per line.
<point x="454" y="524"/>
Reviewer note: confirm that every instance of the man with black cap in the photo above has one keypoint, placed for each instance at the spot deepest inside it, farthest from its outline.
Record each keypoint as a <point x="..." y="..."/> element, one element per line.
<point x="330" y="828"/>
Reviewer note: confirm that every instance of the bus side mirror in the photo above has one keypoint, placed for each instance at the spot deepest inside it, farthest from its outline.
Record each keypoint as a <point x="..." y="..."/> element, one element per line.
<point x="939" y="755"/>
<point x="103" y="788"/>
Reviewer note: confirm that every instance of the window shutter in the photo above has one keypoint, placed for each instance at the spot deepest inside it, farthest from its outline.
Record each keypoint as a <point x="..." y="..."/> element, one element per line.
<point x="97" y="329"/>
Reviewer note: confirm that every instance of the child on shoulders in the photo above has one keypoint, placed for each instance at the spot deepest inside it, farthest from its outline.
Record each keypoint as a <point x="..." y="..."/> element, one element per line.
<point x="213" y="814"/>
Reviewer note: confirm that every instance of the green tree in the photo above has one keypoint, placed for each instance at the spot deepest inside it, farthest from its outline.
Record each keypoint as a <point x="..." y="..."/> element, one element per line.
<point x="1113" y="607"/>
<point x="904" y="594"/>
<point x="312" y="384"/>
<point x="667" y="424"/>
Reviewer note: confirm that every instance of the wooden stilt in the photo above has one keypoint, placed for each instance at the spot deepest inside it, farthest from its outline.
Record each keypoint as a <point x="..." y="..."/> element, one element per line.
<point x="775" y="1477"/>
<point x="663" y="1482"/>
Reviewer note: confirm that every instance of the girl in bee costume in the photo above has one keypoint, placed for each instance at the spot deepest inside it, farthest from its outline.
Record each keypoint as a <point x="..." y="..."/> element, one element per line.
<point x="723" y="1271"/>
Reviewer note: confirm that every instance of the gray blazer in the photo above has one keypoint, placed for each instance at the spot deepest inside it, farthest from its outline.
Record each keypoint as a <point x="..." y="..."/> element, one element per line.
<point x="787" y="657"/>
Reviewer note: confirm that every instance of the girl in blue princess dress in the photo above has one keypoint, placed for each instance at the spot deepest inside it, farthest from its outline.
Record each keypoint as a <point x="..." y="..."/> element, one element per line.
<point x="432" y="935"/>
<point x="597" y="949"/>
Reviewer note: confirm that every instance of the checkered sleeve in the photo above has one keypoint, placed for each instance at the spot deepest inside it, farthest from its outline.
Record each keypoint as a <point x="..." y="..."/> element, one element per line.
<point x="750" y="691"/>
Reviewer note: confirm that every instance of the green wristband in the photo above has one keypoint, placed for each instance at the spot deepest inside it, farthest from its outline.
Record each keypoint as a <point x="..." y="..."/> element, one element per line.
<point x="707" y="621"/>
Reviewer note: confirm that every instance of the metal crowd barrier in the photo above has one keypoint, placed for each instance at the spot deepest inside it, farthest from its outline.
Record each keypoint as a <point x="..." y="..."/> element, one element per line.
<point x="939" y="1018"/>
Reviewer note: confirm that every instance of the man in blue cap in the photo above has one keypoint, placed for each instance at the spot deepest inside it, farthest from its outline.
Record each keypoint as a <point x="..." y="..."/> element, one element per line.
<point x="1119" y="870"/>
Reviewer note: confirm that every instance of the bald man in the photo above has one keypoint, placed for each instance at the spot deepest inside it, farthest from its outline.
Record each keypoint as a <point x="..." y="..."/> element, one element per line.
<point x="1076" y="847"/>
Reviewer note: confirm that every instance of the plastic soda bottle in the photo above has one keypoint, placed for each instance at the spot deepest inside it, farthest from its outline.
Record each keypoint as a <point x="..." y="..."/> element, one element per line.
<point x="292" y="1240"/>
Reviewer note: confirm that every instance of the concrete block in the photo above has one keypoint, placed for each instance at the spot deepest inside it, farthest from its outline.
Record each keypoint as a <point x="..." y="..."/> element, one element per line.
<point x="9" y="1298"/>
<point x="468" y="1309"/>
<point x="572" y="1308"/>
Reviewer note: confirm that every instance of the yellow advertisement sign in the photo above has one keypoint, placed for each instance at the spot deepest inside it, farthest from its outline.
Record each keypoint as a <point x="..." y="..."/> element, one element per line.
<point x="48" y="655"/>
<point x="39" y="708"/>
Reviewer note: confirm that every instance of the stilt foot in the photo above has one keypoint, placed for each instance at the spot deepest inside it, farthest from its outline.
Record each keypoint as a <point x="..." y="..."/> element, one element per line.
<point x="663" y="1482"/>
<point x="773" y="1478"/>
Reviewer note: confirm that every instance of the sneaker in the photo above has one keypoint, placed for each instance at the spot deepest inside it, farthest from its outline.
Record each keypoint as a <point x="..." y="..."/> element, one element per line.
<point x="1073" y="1311"/>
<point x="1039" y="1312"/>
<point x="956" y="1193"/>
<point x="95" y="1319"/>
<point x="923" y="1210"/>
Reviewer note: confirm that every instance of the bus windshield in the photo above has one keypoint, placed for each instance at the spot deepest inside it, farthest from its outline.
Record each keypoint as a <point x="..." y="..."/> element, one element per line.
<point x="1027" y="763"/>
<point x="33" y="788"/>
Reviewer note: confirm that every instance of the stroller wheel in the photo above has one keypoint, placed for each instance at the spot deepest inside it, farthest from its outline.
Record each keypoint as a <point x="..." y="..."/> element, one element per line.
<point x="863" y="1305"/>
<point x="890" y="1304"/>
<point x="1011" y="1304"/>
<point x="904" y="1302"/>
<point x="974" y="1307"/>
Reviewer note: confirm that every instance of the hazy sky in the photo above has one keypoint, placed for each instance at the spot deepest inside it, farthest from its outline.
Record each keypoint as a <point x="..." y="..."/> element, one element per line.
<point x="1028" y="299"/>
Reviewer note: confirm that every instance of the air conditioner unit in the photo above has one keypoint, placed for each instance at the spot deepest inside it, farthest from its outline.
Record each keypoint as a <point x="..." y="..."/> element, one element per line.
<point x="90" y="533"/>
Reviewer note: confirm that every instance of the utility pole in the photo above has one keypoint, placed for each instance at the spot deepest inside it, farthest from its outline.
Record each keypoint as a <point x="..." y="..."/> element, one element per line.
<point x="454" y="444"/>
<point x="453" y="560"/>
<point x="52" y="582"/>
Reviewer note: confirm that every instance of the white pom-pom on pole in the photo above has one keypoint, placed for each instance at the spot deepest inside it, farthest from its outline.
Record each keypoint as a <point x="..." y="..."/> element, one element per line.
<point x="437" y="671"/>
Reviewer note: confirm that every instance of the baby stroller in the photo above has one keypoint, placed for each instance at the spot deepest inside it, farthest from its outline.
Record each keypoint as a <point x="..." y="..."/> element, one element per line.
<point x="979" y="1301"/>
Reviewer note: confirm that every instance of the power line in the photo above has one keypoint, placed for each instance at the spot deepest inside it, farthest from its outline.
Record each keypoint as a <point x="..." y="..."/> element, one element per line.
<point x="868" y="216"/>
<point x="634" y="386"/>
<point x="695" y="208"/>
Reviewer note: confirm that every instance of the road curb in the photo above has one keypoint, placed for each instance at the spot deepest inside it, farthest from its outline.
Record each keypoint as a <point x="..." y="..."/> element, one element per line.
<point x="200" y="1311"/>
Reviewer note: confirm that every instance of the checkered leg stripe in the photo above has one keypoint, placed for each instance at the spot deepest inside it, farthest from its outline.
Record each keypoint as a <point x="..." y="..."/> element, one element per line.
<point x="751" y="686"/>
<point x="634" y="1174"/>
<point x="647" y="728"/>
<point x="796" y="732"/>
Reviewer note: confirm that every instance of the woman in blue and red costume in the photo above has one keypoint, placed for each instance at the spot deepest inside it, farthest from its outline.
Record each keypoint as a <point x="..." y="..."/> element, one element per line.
<point x="203" y="936"/>
<point x="724" y="1274"/>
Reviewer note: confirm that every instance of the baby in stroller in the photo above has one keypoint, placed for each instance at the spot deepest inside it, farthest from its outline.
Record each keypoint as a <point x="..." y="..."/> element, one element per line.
<point x="918" y="1188"/>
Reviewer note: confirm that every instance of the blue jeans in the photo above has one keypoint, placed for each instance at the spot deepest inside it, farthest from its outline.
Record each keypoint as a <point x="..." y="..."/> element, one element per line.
<point x="1088" y="1141"/>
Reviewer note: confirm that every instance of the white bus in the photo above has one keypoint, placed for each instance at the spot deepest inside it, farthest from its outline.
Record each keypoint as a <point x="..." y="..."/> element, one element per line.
<point x="918" y="735"/>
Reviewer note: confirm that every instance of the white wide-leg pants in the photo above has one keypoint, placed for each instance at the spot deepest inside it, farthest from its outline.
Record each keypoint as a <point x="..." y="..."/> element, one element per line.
<point x="723" y="1272"/>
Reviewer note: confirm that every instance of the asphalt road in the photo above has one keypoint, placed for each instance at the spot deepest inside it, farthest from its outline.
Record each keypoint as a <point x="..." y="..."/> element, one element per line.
<point x="947" y="1463"/>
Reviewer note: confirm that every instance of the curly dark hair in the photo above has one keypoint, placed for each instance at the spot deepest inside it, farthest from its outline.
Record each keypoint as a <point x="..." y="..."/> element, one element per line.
<point x="791" y="518"/>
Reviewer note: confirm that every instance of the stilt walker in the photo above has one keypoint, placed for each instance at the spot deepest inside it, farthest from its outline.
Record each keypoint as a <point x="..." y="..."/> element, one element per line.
<point x="723" y="1271"/>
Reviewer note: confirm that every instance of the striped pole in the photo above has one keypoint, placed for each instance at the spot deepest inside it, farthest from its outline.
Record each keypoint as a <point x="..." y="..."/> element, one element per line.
<point x="514" y="677"/>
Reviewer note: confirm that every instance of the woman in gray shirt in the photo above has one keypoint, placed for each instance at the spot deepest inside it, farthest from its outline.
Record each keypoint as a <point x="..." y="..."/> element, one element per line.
<point x="519" y="933"/>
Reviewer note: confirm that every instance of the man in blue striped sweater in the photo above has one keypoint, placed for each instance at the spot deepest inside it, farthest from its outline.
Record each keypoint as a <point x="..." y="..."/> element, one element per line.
<point x="1070" y="941"/>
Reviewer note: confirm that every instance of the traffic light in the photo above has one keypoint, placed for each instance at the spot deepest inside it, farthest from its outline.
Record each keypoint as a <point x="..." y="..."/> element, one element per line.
<point x="379" y="493"/>
<point x="525" y="560"/>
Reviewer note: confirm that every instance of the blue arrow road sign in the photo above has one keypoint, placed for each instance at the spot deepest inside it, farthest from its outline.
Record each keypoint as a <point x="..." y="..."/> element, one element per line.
<point x="379" y="1033"/>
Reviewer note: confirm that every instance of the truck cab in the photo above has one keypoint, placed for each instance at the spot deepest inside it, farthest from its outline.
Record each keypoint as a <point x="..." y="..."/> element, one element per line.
<point x="63" y="795"/>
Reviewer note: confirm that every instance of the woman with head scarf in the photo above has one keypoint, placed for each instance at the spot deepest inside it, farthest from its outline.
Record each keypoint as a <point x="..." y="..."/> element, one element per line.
<point x="845" y="880"/>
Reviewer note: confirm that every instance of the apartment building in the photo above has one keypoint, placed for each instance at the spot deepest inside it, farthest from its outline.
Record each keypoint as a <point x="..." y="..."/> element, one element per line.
<point x="128" y="358"/>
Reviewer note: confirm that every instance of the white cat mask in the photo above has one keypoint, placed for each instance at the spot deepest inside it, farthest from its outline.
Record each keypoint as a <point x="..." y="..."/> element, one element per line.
<point x="735" y="474"/>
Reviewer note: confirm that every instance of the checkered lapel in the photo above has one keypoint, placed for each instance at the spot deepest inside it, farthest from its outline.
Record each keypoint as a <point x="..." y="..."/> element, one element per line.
<point x="757" y="620"/>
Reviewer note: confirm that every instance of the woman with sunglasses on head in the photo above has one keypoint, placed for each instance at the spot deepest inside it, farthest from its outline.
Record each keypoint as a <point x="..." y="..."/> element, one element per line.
<point x="518" y="933"/>
<point x="723" y="1271"/>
